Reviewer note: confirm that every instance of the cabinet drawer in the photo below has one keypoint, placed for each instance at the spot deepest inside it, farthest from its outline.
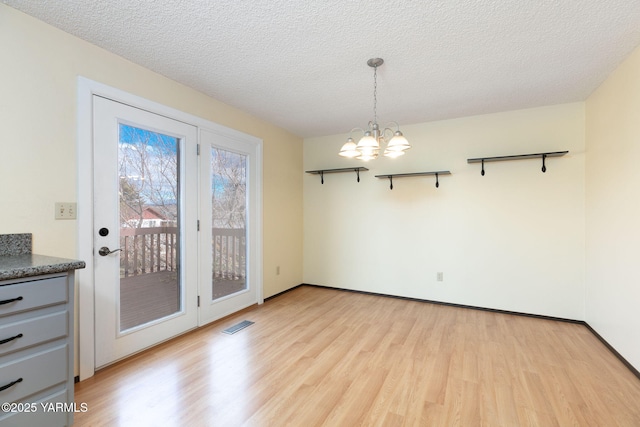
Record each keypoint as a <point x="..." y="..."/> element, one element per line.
<point x="32" y="294"/>
<point x="38" y="372"/>
<point x="32" y="331"/>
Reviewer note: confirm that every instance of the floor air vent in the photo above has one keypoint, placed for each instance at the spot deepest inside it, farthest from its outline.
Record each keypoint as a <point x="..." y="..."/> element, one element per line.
<point x="235" y="328"/>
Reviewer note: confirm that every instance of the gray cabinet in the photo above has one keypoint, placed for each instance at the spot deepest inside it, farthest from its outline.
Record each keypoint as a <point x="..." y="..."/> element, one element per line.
<point x="36" y="351"/>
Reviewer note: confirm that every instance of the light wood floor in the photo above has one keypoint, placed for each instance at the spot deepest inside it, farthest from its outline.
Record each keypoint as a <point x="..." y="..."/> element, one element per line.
<point x="324" y="357"/>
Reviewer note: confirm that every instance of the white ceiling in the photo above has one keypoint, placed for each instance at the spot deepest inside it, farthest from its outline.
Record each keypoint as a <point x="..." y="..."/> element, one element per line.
<point x="302" y="64"/>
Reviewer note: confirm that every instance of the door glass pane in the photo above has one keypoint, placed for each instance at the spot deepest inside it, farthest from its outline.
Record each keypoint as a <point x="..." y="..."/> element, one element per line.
<point x="229" y="213"/>
<point x="149" y="226"/>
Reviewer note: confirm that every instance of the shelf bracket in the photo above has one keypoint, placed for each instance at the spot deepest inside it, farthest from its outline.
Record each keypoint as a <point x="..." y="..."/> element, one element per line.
<point x="437" y="182"/>
<point x="357" y="174"/>
<point x="390" y="182"/>
<point x="321" y="177"/>
<point x="544" y="167"/>
<point x="482" y="171"/>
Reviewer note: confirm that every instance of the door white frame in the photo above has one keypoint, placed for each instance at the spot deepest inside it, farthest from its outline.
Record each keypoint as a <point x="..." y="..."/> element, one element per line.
<point x="211" y="310"/>
<point x="113" y="343"/>
<point x="85" y="350"/>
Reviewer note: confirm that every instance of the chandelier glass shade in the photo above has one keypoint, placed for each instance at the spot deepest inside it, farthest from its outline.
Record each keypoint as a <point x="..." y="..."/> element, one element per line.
<point x="368" y="147"/>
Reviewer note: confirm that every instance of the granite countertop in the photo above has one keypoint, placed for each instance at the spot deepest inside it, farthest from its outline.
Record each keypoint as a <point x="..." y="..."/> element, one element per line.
<point x="17" y="261"/>
<point x="27" y="265"/>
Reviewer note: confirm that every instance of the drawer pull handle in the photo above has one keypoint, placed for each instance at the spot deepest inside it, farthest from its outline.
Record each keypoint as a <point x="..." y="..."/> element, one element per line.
<point x="7" y="301"/>
<point x="11" y="384"/>
<point x="6" y="340"/>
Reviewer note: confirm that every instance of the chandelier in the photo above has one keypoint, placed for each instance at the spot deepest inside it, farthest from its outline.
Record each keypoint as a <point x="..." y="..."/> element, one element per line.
<point x="369" y="145"/>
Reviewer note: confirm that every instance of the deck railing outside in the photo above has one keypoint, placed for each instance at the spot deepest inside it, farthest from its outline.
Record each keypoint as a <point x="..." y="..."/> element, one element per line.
<point x="229" y="253"/>
<point x="153" y="249"/>
<point x="148" y="250"/>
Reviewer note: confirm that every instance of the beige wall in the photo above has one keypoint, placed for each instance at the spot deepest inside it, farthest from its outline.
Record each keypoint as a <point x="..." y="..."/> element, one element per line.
<point x="613" y="209"/>
<point x="38" y="80"/>
<point x="511" y="240"/>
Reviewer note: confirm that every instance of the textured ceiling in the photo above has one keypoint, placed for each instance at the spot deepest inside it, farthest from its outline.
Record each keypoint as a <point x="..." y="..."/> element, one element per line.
<point x="302" y="64"/>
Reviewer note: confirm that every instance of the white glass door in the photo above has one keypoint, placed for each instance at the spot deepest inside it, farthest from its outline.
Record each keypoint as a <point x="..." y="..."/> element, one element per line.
<point x="145" y="237"/>
<point x="229" y="181"/>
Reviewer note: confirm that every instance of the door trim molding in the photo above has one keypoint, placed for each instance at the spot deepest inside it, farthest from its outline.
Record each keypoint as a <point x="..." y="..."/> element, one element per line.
<point x="86" y="89"/>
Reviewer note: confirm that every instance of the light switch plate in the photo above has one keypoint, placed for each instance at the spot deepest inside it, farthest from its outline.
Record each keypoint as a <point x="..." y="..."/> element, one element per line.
<point x="66" y="210"/>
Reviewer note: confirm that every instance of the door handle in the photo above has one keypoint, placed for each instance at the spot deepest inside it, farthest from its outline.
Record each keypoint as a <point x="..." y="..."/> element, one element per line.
<point x="104" y="251"/>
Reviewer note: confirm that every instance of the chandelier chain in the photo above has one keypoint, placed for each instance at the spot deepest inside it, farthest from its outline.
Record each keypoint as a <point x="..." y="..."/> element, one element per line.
<point x="375" y="94"/>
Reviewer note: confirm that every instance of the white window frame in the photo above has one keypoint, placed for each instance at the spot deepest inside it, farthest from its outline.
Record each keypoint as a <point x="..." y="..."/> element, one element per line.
<point x="86" y="89"/>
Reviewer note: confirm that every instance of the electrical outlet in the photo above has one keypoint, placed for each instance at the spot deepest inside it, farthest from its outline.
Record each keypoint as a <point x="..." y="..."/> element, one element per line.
<point x="440" y="276"/>
<point x="65" y="210"/>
